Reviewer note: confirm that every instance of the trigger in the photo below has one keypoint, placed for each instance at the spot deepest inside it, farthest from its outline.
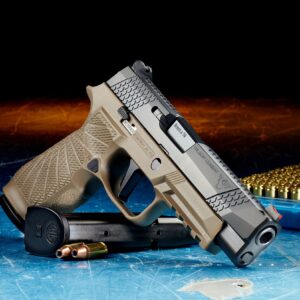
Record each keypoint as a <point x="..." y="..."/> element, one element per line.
<point x="129" y="181"/>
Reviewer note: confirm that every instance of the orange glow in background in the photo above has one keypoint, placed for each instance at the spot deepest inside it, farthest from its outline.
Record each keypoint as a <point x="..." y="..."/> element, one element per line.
<point x="256" y="131"/>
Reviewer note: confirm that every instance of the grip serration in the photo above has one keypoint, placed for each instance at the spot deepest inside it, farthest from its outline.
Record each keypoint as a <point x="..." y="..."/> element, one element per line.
<point x="46" y="179"/>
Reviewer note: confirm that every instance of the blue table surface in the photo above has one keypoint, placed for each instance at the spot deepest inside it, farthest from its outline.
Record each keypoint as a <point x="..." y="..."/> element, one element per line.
<point x="150" y="274"/>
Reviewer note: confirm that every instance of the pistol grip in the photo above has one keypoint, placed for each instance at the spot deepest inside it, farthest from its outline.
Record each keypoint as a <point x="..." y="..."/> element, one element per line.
<point x="62" y="185"/>
<point x="61" y="177"/>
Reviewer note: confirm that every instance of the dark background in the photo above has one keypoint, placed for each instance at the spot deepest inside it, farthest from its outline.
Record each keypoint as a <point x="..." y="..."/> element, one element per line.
<point x="245" y="52"/>
<point x="233" y="72"/>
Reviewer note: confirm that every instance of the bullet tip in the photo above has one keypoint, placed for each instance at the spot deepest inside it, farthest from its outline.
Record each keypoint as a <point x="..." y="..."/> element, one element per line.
<point x="80" y="253"/>
<point x="61" y="253"/>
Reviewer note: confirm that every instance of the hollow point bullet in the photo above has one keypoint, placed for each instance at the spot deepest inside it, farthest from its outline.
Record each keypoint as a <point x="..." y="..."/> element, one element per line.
<point x="66" y="250"/>
<point x="92" y="250"/>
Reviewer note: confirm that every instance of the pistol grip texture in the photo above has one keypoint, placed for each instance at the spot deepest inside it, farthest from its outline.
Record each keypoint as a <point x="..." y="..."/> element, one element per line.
<point x="59" y="178"/>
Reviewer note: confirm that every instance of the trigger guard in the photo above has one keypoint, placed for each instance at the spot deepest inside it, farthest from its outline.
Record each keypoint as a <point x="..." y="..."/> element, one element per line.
<point x="151" y="213"/>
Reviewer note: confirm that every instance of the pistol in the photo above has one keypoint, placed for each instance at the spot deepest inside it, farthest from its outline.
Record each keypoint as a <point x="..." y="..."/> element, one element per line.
<point x="132" y="130"/>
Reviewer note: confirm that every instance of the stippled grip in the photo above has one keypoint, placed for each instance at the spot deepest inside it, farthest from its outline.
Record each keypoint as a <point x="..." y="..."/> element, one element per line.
<point x="47" y="179"/>
<point x="44" y="176"/>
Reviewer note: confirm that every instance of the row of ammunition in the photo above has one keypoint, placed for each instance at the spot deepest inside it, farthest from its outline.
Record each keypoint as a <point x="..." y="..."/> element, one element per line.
<point x="279" y="183"/>
<point x="82" y="251"/>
